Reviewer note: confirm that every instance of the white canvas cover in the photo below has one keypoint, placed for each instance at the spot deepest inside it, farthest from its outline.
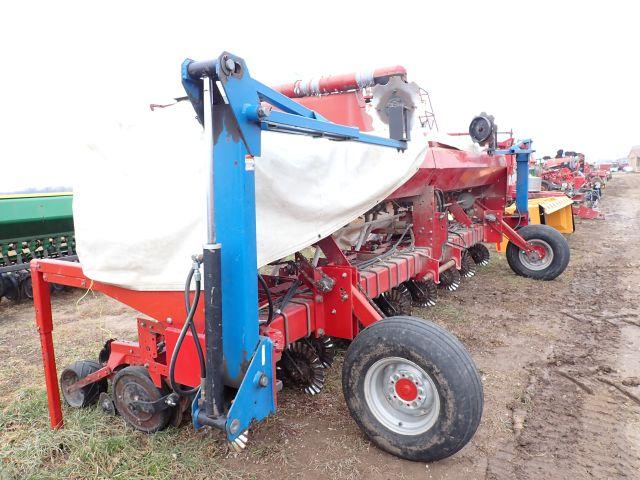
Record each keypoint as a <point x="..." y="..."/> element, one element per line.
<point x="140" y="195"/>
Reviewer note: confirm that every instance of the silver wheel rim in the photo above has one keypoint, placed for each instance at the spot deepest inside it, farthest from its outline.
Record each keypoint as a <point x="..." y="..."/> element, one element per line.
<point x="532" y="262"/>
<point x="406" y="416"/>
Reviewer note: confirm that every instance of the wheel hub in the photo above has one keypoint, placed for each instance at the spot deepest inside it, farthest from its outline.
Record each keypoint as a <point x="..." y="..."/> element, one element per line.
<point x="402" y="396"/>
<point x="132" y="393"/>
<point x="539" y="258"/>
<point x="406" y="389"/>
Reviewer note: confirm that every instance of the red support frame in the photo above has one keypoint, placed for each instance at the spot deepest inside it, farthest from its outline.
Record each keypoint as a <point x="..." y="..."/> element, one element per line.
<point x="44" y="324"/>
<point x="340" y="312"/>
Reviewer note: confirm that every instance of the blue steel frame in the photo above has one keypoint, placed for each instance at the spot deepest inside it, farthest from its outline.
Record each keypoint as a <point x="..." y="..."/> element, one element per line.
<point x="522" y="150"/>
<point x="237" y="126"/>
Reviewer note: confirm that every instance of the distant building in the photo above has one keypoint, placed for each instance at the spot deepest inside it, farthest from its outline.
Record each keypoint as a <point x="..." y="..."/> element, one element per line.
<point x="634" y="158"/>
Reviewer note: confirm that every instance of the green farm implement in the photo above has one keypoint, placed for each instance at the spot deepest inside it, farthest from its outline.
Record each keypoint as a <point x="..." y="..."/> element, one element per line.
<point x="37" y="225"/>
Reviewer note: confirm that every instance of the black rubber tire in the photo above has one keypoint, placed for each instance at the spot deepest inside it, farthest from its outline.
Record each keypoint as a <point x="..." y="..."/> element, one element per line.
<point x="26" y="288"/>
<point x="449" y="365"/>
<point x="12" y="290"/>
<point x="87" y="395"/>
<point x="147" y="392"/>
<point x="558" y="244"/>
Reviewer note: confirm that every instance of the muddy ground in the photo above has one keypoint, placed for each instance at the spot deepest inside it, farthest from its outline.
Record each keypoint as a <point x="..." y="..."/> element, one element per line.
<point x="560" y="363"/>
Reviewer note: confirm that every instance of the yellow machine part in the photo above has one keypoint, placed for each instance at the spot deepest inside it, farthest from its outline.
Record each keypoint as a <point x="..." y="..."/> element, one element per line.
<point x="553" y="211"/>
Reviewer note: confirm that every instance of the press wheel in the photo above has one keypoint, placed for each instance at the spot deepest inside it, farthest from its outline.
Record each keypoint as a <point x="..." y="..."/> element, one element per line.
<point x="133" y="384"/>
<point x="88" y="394"/>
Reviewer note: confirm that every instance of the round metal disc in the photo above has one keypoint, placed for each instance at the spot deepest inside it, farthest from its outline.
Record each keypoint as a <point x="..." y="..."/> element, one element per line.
<point x="481" y="128"/>
<point x="401" y="396"/>
<point x="395" y="90"/>
<point x="131" y="385"/>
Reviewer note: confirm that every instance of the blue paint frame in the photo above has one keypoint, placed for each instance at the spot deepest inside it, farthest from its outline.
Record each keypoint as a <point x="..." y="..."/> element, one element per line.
<point x="237" y="128"/>
<point x="522" y="150"/>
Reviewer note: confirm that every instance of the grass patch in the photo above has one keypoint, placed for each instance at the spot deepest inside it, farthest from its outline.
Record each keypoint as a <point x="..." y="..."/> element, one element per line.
<point x="94" y="445"/>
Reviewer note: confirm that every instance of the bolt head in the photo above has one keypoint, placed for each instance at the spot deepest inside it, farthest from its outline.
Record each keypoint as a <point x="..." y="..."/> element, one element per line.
<point x="235" y="426"/>
<point x="230" y="64"/>
<point x="264" y="380"/>
<point x="344" y="274"/>
<point x="334" y="311"/>
<point x="169" y="320"/>
<point x="264" y="111"/>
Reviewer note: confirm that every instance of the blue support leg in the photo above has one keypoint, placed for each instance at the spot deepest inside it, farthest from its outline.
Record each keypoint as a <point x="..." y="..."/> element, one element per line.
<point x="522" y="183"/>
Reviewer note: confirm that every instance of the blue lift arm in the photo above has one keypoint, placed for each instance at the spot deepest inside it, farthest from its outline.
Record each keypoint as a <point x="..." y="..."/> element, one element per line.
<point x="240" y="109"/>
<point x="522" y="150"/>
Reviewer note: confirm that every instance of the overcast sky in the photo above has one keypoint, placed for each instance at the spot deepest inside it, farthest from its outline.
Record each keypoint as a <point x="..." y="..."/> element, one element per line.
<point x="566" y="74"/>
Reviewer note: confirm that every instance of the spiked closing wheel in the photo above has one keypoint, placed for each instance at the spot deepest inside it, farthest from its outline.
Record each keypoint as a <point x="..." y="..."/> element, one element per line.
<point x="324" y="348"/>
<point x="240" y="443"/>
<point x="480" y="254"/>
<point x="467" y="265"/>
<point x="301" y="367"/>
<point x="394" y="302"/>
<point x="450" y="279"/>
<point x="423" y="293"/>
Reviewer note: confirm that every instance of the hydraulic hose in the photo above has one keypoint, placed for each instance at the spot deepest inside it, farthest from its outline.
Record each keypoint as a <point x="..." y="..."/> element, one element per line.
<point x="289" y="295"/>
<point x="388" y="253"/>
<point x="188" y="324"/>
<point x="192" y="326"/>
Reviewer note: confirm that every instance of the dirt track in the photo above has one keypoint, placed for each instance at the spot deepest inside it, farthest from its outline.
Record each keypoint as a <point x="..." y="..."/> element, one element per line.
<point x="560" y="363"/>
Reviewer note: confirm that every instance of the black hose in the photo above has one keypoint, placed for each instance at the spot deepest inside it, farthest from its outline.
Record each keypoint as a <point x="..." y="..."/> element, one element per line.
<point x="187" y="325"/>
<point x="453" y="232"/>
<point x="289" y="295"/>
<point x="265" y="287"/>
<point x="439" y="199"/>
<point x="192" y="325"/>
<point x="388" y="253"/>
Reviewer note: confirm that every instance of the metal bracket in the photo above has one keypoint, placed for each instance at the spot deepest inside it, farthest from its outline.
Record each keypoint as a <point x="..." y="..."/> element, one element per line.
<point x="163" y="403"/>
<point x="522" y="150"/>
<point x="256" y="397"/>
